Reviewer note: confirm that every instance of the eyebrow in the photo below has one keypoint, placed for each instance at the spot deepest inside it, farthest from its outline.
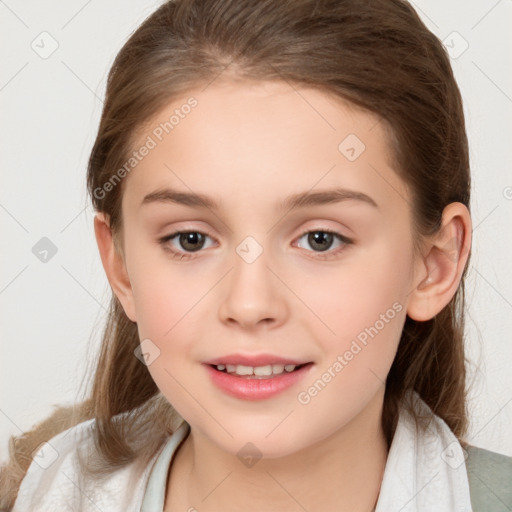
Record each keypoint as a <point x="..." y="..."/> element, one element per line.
<point x="295" y="201"/>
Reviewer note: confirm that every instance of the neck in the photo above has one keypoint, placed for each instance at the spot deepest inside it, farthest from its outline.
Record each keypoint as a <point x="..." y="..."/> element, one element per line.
<point x="342" y="472"/>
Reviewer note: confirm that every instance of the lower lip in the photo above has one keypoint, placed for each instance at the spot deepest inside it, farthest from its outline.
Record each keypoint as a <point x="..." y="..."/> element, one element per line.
<point x="256" y="389"/>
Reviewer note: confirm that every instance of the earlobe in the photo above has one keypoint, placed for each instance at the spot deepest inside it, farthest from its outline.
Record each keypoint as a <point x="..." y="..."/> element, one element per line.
<point x="443" y="264"/>
<point x="114" y="265"/>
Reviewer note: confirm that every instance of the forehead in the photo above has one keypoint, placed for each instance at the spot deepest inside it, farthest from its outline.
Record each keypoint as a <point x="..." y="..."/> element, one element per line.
<point x="260" y="141"/>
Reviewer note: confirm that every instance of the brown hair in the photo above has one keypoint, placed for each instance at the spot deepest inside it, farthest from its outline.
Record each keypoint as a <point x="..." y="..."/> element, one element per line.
<point x="376" y="54"/>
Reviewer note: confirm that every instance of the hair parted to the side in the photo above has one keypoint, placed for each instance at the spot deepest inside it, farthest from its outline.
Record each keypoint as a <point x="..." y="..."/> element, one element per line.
<point x="376" y="54"/>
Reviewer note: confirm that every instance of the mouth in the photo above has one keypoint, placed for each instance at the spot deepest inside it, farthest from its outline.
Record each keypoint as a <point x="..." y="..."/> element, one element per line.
<point x="257" y="382"/>
<point x="268" y="371"/>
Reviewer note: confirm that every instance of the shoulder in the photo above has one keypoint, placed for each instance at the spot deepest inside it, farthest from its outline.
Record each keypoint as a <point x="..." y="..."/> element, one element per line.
<point x="55" y="481"/>
<point x="53" y="467"/>
<point x="490" y="479"/>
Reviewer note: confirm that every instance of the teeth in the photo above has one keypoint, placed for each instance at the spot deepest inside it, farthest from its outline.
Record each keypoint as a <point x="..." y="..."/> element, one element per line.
<point x="277" y="368"/>
<point x="244" y="370"/>
<point x="263" y="370"/>
<point x="270" y="369"/>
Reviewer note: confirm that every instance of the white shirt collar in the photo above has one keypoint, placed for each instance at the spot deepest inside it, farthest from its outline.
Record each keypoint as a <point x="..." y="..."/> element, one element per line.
<point x="426" y="467"/>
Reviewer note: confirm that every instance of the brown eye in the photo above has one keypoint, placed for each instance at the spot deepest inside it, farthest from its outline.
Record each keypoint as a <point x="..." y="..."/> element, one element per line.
<point x="320" y="240"/>
<point x="191" y="241"/>
<point x="182" y="244"/>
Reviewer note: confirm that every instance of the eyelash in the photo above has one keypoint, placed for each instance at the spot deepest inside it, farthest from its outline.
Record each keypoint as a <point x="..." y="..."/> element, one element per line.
<point x="320" y="255"/>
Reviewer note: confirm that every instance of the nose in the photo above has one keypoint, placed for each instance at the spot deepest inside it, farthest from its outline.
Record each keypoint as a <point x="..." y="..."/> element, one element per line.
<point x="252" y="296"/>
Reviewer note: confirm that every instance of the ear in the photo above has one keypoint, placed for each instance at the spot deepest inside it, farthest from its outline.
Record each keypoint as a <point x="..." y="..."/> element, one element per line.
<point x="114" y="265"/>
<point x="442" y="266"/>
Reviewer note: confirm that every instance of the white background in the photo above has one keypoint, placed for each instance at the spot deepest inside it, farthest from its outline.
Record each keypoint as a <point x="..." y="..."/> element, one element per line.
<point x="52" y="313"/>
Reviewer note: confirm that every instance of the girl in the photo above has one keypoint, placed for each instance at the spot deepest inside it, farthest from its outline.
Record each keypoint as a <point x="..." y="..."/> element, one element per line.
<point x="282" y="193"/>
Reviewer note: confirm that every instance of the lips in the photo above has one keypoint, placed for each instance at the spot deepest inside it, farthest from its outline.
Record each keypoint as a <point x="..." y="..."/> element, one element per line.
<point x="256" y="387"/>
<point x="255" y="360"/>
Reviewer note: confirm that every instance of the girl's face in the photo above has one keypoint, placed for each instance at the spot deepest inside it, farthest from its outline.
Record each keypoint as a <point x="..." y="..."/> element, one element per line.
<point x="299" y="249"/>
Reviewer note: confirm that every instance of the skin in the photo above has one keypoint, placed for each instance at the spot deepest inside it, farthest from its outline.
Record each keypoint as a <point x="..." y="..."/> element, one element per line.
<point x="249" y="145"/>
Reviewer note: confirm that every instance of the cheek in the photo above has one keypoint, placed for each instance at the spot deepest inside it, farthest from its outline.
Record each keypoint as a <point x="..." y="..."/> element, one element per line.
<point x="156" y="304"/>
<point x="170" y="301"/>
<point x="169" y="317"/>
<point x="360" y="310"/>
<point x="354" y="293"/>
<point x="162" y="292"/>
<point x="367" y="319"/>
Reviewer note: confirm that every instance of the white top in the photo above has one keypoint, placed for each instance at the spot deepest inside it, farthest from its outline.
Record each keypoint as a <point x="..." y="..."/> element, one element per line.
<point x="425" y="471"/>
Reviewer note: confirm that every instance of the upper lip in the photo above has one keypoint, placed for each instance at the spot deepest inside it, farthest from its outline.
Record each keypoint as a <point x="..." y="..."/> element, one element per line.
<point x="254" y="360"/>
